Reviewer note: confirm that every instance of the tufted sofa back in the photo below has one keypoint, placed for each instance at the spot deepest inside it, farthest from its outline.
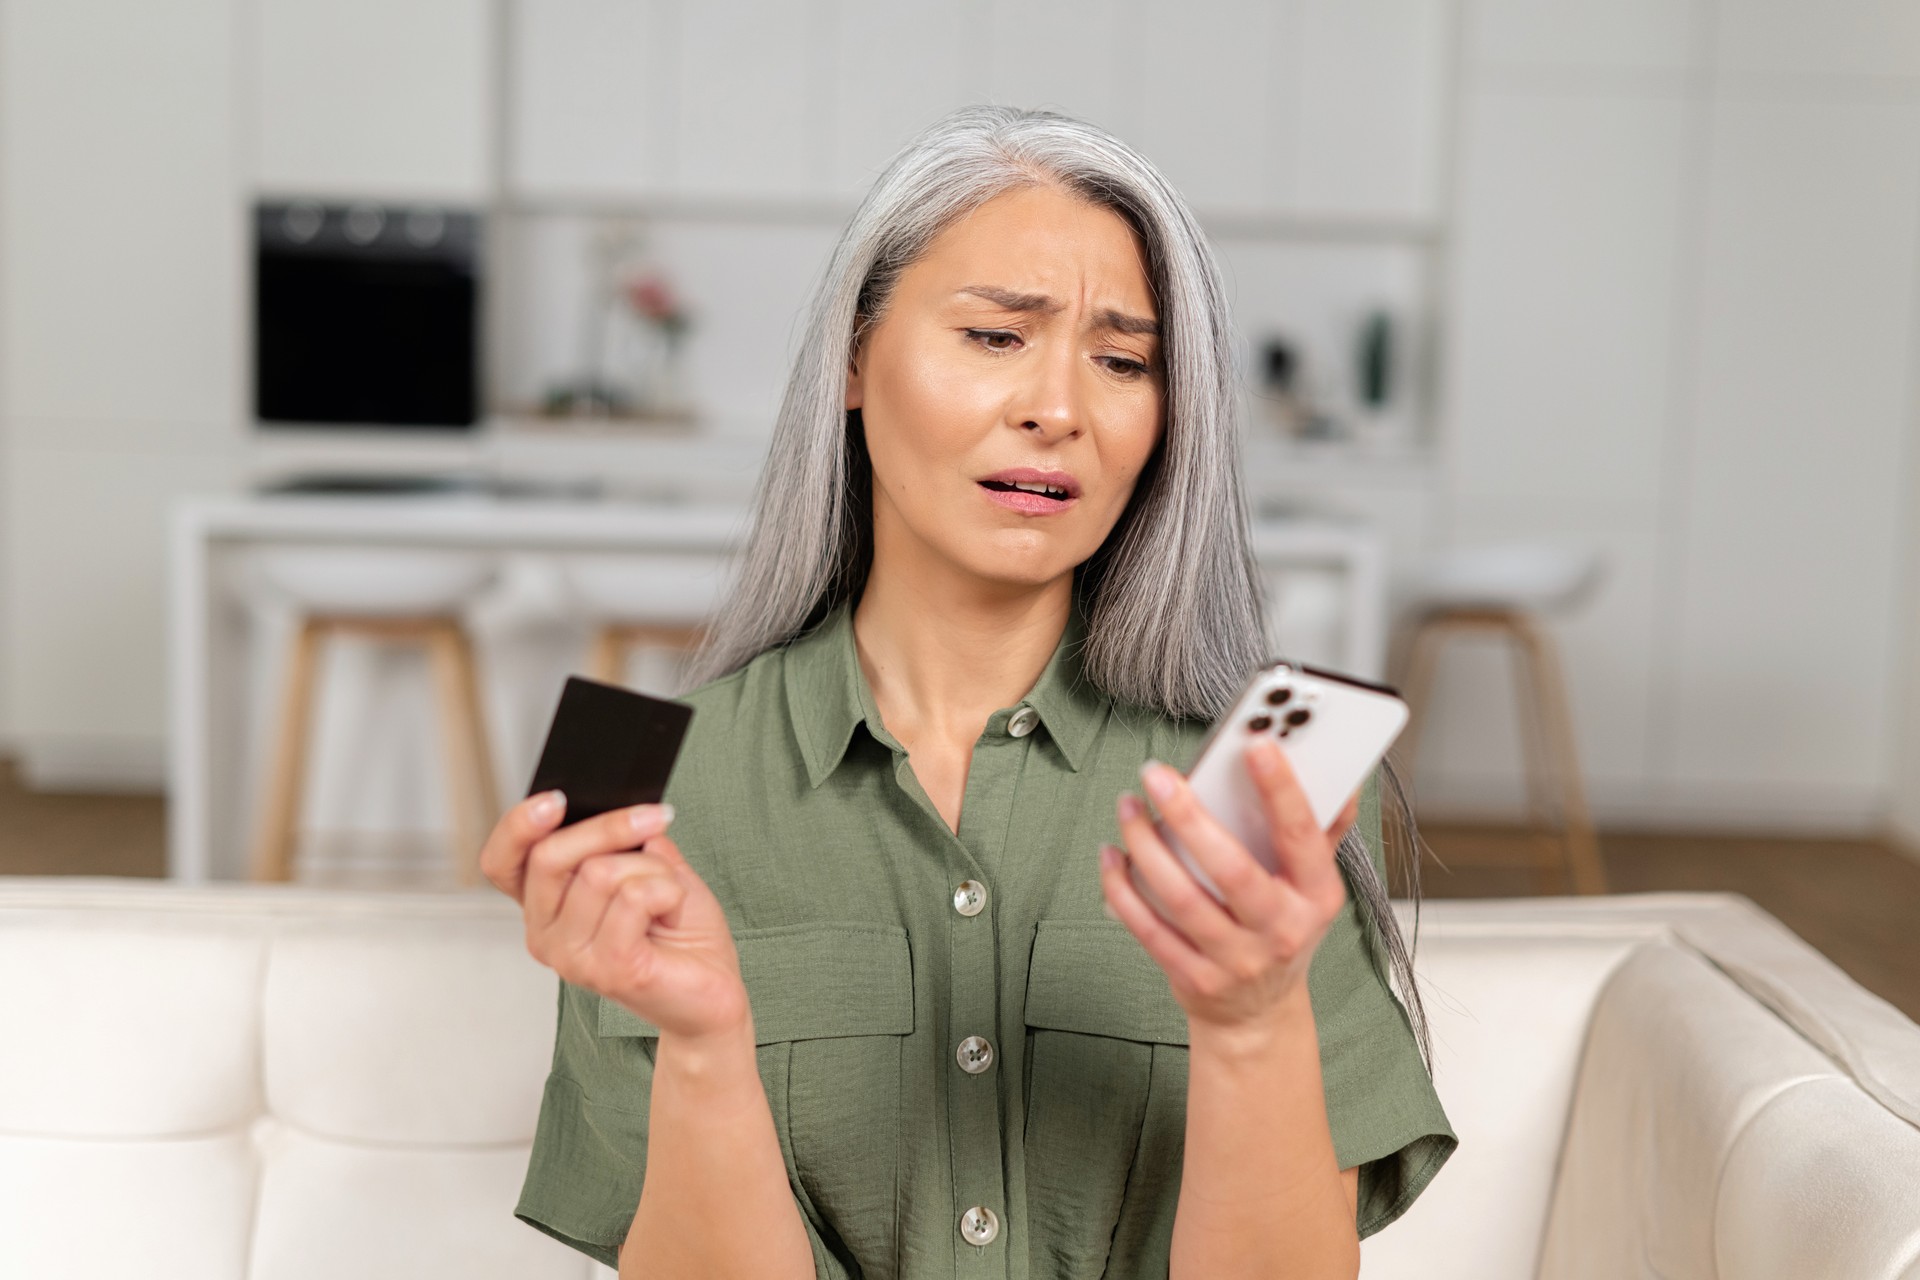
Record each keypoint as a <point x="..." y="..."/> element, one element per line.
<point x="274" y="1083"/>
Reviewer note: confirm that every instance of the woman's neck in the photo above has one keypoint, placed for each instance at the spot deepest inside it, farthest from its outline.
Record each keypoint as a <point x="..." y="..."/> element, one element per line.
<point x="941" y="655"/>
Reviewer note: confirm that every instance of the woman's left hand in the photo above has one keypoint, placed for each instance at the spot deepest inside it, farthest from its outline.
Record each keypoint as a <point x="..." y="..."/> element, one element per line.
<point x="1234" y="962"/>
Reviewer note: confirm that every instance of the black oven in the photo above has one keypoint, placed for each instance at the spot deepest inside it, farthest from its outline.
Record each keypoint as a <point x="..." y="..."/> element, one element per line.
<point x="366" y="315"/>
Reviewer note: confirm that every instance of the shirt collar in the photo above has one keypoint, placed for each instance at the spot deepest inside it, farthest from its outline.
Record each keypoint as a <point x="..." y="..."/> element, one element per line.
<point x="828" y="696"/>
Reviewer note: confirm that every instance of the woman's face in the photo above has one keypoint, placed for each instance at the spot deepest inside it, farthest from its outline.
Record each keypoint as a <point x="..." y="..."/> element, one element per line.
<point x="1011" y="391"/>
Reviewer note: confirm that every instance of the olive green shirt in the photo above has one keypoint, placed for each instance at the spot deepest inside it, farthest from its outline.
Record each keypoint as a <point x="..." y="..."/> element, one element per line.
<point x="874" y="940"/>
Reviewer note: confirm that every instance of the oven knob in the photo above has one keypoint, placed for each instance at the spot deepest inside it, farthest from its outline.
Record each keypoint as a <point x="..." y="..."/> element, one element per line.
<point x="364" y="223"/>
<point x="426" y="226"/>
<point x="302" y="221"/>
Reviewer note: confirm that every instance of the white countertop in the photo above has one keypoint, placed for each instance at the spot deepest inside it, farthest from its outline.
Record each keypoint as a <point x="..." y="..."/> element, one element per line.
<point x="466" y="519"/>
<point x="545" y="523"/>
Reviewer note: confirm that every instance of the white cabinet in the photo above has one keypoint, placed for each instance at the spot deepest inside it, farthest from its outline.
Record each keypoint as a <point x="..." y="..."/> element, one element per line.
<point x="1793" y="474"/>
<point x="1832" y="37"/>
<point x="1063" y="54"/>
<point x="587" y="93"/>
<point x="1567" y="263"/>
<point x="1209" y="105"/>
<point x="1372" y="88"/>
<point x="1585" y="35"/>
<point x="368" y="98"/>
<point x="749" y="117"/>
<point x="121" y="302"/>
<point x="880" y="99"/>
<point x="122" y="311"/>
<point x="1324" y="108"/>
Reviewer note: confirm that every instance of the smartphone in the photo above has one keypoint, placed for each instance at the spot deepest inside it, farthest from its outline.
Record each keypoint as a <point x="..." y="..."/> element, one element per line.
<point x="1334" y="729"/>
<point x="608" y="748"/>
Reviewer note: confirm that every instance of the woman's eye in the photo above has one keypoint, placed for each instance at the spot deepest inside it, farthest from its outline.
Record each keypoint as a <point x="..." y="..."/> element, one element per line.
<point x="1124" y="367"/>
<point x="994" y="339"/>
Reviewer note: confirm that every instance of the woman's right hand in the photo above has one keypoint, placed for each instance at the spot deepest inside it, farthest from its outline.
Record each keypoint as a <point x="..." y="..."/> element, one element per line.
<point x="612" y="906"/>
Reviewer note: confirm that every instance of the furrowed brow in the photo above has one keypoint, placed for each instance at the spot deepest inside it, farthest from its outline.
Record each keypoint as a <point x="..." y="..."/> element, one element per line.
<point x="1013" y="299"/>
<point x="1041" y="304"/>
<point x="1121" y="322"/>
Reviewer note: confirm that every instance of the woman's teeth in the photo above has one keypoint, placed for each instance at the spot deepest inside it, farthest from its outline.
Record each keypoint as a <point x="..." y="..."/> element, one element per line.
<point x="1026" y="487"/>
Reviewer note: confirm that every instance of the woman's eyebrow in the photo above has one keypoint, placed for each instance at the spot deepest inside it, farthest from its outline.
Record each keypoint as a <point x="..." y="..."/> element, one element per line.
<point x="1013" y="299"/>
<point x="1041" y="304"/>
<point x="1121" y="322"/>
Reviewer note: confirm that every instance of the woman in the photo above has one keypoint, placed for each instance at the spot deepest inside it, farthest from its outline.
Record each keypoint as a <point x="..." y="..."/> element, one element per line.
<point x="887" y="1005"/>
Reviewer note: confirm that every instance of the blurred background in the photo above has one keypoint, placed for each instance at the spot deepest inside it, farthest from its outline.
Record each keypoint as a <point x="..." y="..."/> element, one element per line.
<point x="366" y="367"/>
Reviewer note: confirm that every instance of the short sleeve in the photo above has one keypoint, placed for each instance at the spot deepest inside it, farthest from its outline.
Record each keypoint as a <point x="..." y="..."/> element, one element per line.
<point x="590" y="1144"/>
<point x="1385" y="1116"/>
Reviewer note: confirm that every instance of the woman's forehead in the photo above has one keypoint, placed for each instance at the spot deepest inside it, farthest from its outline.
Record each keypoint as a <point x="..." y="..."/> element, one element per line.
<point x="1041" y="240"/>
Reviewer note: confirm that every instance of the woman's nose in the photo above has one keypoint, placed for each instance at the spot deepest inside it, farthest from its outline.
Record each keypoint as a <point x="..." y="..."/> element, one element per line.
<point x="1050" y="404"/>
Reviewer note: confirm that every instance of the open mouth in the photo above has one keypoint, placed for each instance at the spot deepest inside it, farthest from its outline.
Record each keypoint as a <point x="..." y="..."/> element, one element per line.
<point x="1054" y="492"/>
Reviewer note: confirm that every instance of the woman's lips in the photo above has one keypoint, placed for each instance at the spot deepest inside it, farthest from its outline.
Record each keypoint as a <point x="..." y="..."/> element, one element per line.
<point x="1027" y="502"/>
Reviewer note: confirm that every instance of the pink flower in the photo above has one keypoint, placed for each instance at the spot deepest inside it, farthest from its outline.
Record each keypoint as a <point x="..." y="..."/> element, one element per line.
<point x="652" y="297"/>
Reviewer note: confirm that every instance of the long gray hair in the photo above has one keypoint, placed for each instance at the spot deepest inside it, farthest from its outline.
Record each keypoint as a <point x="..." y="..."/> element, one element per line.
<point x="1175" y="620"/>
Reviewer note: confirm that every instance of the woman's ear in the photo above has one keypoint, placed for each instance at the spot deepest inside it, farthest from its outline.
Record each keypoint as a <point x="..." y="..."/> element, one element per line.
<point x="853" y="368"/>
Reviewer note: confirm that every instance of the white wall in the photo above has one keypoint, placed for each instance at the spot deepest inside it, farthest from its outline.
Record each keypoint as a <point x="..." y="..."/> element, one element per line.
<point x="1903" y="775"/>
<point x="1683" y="331"/>
<point x="121" y="311"/>
<point x="6" y="693"/>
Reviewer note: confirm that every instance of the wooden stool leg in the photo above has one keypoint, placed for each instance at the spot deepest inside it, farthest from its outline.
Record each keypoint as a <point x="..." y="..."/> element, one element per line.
<point x="1584" y="866"/>
<point x="1547" y="820"/>
<point x="280" y="816"/>
<point x="1541" y="825"/>
<point x="475" y="801"/>
<point x="609" y="661"/>
<point x="1423" y="651"/>
<point x="1535" y="766"/>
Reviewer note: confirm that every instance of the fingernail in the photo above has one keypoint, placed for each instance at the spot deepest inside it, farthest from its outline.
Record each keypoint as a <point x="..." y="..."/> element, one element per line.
<point x="650" y="817"/>
<point x="549" y="805"/>
<point x="1264" y="754"/>
<point x="1131" y="808"/>
<point x="1159" y="780"/>
<point x="1109" y="857"/>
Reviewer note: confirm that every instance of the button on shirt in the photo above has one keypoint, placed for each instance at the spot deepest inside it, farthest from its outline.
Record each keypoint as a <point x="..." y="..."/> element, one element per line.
<point x="973" y="1072"/>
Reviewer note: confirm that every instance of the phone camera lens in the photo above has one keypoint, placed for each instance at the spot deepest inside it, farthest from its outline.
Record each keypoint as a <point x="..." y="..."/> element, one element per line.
<point x="1259" y="724"/>
<point x="1299" y="716"/>
<point x="1277" y="697"/>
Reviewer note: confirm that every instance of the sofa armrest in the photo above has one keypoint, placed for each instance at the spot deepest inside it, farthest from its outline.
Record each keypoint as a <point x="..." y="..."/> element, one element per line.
<point x="1711" y="1137"/>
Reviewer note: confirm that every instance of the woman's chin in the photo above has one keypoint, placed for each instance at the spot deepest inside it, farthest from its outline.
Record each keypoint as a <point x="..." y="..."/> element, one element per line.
<point x="1010" y="559"/>
<point x="1021" y="568"/>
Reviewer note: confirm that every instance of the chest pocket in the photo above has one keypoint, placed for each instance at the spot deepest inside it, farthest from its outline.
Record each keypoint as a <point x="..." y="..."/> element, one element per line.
<point x="1106" y="1089"/>
<point x="832" y="1004"/>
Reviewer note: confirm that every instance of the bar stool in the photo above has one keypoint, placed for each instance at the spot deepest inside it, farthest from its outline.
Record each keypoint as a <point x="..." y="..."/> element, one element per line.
<point x="652" y="601"/>
<point x="1506" y="590"/>
<point x="404" y="596"/>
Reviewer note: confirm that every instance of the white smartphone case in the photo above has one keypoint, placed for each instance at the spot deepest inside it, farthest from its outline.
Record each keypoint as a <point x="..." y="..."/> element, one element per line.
<point x="1333" y="728"/>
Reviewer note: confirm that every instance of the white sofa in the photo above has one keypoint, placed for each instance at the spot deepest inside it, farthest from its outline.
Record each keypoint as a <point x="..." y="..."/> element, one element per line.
<point x="282" y="1082"/>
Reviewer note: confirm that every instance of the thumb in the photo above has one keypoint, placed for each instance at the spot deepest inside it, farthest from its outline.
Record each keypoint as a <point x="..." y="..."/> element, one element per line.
<point x="663" y="847"/>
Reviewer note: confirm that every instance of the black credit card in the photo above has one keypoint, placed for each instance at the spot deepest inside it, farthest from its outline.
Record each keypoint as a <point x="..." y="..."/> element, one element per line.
<point x="609" y="748"/>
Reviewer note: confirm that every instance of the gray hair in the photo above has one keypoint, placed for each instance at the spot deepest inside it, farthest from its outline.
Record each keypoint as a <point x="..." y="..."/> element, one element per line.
<point x="1175" y="620"/>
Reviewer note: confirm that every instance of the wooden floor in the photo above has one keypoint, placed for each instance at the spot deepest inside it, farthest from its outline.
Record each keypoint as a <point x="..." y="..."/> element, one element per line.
<point x="1854" y="900"/>
<point x="1857" y="901"/>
